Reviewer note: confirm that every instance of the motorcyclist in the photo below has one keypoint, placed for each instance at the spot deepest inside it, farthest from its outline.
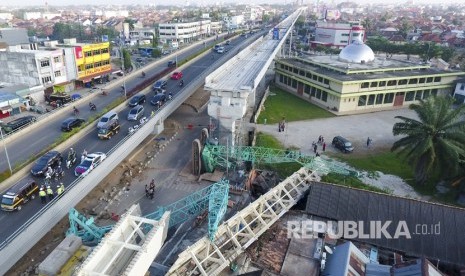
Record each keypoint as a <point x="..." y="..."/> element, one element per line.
<point x="58" y="172"/>
<point x="143" y="74"/>
<point x="71" y="154"/>
<point x="181" y="83"/>
<point x="75" y="110"/>
<point x="92" y="106"/>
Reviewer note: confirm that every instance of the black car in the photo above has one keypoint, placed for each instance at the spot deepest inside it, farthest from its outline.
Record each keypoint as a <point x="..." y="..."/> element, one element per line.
<point x="50" y="159"/>
<point x="158" y="100"/>
<point x="71" y="123"/>
<point x="138" y="99"/>
<point x="342" y="144"/>
<point x="161" y="84"/>
<point x="18" y="123"/>
<point x="171" y="63"/>
<point x="60" y="99"/>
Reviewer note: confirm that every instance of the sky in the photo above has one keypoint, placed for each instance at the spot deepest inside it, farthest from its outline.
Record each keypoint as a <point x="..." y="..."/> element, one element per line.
<point x="180" y="2"/>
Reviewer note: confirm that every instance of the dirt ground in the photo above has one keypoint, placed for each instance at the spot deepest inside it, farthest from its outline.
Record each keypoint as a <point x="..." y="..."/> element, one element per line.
<point x="94" y="203"/>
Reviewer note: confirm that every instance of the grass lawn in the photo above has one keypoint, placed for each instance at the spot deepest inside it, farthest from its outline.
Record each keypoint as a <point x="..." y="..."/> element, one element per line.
<point x="281" y="104"/>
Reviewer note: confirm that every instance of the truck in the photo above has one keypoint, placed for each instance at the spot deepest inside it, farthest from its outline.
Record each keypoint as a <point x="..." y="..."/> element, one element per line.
<point x="108" y="131"/>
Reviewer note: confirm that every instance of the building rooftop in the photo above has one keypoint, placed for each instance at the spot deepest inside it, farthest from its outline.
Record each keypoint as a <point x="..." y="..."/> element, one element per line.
<point x="446" y="244"/>
<point x="333" y="67"/>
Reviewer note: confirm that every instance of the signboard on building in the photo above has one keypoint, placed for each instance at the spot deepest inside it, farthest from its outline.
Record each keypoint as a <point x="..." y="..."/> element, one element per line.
<point x="104" y="38"/>
<point x="78" y="52"/>
<point x="332" y="14"/>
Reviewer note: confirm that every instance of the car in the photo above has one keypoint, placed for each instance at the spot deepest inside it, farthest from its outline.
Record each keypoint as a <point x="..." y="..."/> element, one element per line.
<point x="228" y="42"/>
<point x="71" y="123"/>
<point x="18" y="123"/>
<point x="176" y="75"/>
<point x="139" y="59"/>
<point x="171" y="63"/>
<point x="160" y="84"/>
<point x="138" y="99"/>
<point x="59" y="99"/>
<point x="50" y="159"/>
<point x="342" y="144"/>
<point x="220" y="50"/>
<point x="89" y="163"/>
<point x="108" y="131"/>
<point x="158" y="100"/>
<point x="135" y="113"/>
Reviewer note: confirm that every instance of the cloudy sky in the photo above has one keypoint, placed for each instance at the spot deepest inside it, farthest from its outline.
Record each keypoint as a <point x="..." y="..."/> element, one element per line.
<point x="182" y="2"/>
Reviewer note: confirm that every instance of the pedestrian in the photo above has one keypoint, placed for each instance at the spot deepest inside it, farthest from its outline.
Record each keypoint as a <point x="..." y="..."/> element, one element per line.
<point x="60" y="189"/>
<point x="146" y="191"/>
<point x="43" y="196"/>
<point x="317" y="154"/>
<point x="50" y="193"/>
<point x="319" y="139"/>
<point x="322" y="139"/>
<point x="324" y="146"/>
<point x="315" y="148"/>
<point x="152" y="114"/>
<point x="152" y="183"/>
<point x="368" y="142"/>
<point x="279" y="127"/>
<point x="151" y="192"/>
<point x="313" y="144"/>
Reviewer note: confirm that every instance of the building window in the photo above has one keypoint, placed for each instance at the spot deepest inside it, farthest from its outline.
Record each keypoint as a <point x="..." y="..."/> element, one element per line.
<point x="56" y="59"/>
<point x="301" y="72"/>
<point x="57" y="73"/>
<point x="362" y="100"/>
<point x="379" y="99"/>
<point x="106" y="62"/>
<point x="307" y="90"/>
<point x="309" y="76"/>
<point x="418" y="95"/>
<point x="410" y="96"/>
<point x="374" y="84"/>
<point x="421" y="80"/>
<point x="96" y="52"/>
<point x="412" y="81"/>
<point x="324" y="96"/>
<point x="294" y="83"/>
<point x="437" y="79"/>
<point x="282" y="66"/>
<point x="97" y="64"/>
<point x="285" y="80"/>
<point x="326" y="81"/>
<point x="365" y="85"/>
<point x="313" y="92"/>
<point x="426" y="94"/>
<point x="391" y="83"/>
<point x="434" y="92"/>
<point x="402" y="82"/>
<point x="46" y="79"/>
<point x="429" y="79"/>
<point x="281" y="78"/>
<point x="382" y="83"/>
<point x="371" y="99"/>
<point x="343" y="41"/>
<point x="88" y="54"/>
<point x="286" y="67"/>
<point x="320" y="79"/>
<point x="462" y="86"/>
<point x="45" y="63"/>
<point x="315" y="77"/>
<point x="318" y="93"/>
<point x="295" y="70"/>
<point x="389" y="98"/>
<point x="344" y="34"/>
<point x="89" y="66"/>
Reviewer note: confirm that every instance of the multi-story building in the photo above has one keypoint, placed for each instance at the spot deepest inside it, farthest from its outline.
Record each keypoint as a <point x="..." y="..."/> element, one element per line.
<point x="6" y="16"/>
<point x="233" y="22"/>
<point x="142" y="35"/>
<point x="357" y="82"/>
<point x="87" y="63"/>
<point x="337" y="35"/>
<point x="35" y="68"/>
<point x="13" y="36"/>
<point x="32" y="15"/>
<point x="183" y="32"/>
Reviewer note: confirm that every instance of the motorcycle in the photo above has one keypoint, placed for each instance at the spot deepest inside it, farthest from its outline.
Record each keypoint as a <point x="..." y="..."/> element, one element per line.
<point x="170" y="96"/>
<point x="104" y="92"/>
<point x="71" y="161"/>
<point x="181" y="84"/>
<point x="93" y="107"/>
<point x="59" y="173"/>
<point x="143" y="74"/>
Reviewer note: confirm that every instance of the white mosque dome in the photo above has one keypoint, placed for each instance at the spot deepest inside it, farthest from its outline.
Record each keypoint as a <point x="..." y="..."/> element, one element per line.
<point x="357" y="52"/>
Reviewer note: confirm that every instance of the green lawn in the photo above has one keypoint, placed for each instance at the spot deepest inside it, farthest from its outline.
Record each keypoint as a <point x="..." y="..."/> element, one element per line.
<point x="281" y="104"/>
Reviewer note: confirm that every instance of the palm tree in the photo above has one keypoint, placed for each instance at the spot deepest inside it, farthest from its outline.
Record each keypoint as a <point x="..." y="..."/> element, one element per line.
<point x="435" y="142"/>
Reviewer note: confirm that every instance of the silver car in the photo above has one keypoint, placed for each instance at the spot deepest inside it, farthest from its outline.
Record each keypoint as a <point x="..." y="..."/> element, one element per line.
<point x="136" y="113"/>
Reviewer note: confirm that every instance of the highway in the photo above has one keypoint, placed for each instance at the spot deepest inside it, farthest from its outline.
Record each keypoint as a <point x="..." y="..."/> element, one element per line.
<point x="41" y="137"/>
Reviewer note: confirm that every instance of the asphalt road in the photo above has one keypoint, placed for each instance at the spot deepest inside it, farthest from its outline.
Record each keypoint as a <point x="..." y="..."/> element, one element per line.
<point x="40" y="137"/>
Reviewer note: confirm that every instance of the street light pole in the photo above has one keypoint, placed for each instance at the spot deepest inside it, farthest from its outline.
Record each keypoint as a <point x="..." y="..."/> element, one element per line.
<point x="124" y="70"/>
<point x="6" y="152"/>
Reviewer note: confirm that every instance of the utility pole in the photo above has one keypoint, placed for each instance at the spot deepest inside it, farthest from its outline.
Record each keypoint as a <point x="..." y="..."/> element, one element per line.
<point x="6" y="152"/>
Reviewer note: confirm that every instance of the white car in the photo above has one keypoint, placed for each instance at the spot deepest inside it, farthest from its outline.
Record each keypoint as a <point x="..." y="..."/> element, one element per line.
<point x="89" y="163"/>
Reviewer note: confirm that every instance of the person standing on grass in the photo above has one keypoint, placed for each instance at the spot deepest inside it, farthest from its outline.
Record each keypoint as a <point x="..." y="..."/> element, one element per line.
<point x="315" y="148"/>
<point x="324" y="146"/>
<point x="368" y="142"/>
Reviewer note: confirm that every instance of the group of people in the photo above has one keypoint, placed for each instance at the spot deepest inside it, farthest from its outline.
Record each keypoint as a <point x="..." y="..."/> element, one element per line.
<point x="321" y="141"/>
<point x="45" y="192"/>
<point x="150" y="189"/>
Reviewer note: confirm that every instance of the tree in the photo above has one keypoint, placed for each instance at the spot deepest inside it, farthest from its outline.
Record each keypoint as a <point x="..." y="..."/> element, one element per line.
<point x="436" y="142"/>
<point x="126" y="59"/>
<point x="368" y="24"/>
<point x="131" y="23"/>
<point x="404" y="27"/>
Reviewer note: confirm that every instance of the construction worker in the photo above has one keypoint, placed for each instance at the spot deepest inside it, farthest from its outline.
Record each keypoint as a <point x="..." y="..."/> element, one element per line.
<point x="60" y="189"/>
<point x="43" y="196"/>
<point x="50" y="193"/>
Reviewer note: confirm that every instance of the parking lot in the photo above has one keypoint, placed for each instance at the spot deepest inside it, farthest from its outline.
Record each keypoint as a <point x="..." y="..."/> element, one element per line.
<point x="356" y="128"/>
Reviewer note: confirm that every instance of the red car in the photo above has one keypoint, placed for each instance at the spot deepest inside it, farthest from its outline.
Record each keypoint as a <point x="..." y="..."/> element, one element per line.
<point x="176" y="75"/>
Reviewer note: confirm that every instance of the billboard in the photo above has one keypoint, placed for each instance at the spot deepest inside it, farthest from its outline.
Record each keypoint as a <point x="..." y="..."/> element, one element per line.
<point x="104" y="38"/>
<point x="332" y="14"/>
<point x="78" y="52"/>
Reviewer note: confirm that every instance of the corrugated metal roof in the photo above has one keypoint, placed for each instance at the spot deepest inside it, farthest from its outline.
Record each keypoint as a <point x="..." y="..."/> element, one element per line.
<point x="346" y="204"/>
